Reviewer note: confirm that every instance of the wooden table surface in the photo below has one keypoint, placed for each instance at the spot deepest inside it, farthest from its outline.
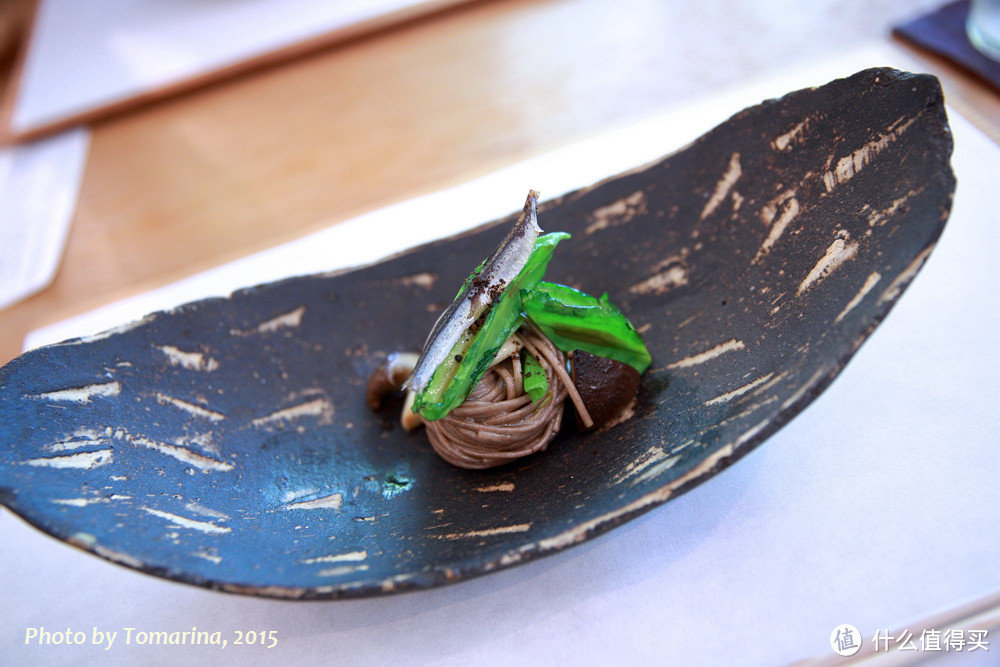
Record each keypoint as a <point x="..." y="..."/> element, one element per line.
<point x="178" y="186"/>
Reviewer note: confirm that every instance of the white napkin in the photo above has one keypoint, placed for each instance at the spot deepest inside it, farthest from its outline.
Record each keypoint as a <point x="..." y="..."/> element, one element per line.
<point x="39" y="185"/>
<point x="84" y="56"/>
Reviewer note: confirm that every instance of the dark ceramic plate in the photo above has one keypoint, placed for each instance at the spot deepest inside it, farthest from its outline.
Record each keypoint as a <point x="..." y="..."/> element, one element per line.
<point x="227" y="444"/>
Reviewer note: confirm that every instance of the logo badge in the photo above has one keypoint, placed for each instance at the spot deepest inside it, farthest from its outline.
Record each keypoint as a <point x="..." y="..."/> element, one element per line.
<point x="845" y="640"/>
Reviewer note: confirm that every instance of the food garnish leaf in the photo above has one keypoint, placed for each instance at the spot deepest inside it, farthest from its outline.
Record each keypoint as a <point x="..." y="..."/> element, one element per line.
<point x="574" y="320"/>
<point x="536" y="385"/>
<point x="472" y="354"/>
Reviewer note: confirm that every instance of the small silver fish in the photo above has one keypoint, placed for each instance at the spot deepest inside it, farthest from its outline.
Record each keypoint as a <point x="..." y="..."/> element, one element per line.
<point x="498" y="271"/>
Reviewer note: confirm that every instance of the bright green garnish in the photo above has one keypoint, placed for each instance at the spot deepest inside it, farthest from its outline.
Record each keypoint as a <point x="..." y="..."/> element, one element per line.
<point x="536" y="385"/>
<point x="473" y="354"/>
<point x="571" y="319"/>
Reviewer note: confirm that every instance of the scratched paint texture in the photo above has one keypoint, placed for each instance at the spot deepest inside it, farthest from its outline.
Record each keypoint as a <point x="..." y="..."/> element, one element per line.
<point x="227" y="443"/>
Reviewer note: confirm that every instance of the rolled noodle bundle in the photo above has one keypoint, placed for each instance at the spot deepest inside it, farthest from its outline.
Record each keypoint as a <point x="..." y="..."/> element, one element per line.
<point x="468" y="384"/>
<point x="499" y="421"/>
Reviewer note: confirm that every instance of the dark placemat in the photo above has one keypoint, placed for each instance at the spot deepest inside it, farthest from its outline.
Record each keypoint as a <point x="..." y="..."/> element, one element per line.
<point x="943" y="32"/>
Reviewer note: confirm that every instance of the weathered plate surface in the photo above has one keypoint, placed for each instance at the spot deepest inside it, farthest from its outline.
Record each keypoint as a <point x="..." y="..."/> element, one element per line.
<point x="227" y="443"/>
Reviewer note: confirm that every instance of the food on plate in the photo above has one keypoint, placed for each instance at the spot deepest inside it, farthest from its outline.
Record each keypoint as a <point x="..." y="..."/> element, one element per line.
<point x="492" y="379"/>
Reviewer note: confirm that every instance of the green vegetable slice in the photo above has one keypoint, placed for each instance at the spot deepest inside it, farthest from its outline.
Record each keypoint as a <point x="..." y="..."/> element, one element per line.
<point x="536" y="385"/>
<point x="473" y="354"/>
<point x="574" y="320"/>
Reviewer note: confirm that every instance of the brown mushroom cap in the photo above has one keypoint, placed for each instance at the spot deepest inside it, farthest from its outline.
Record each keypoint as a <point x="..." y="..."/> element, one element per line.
<point x="606" y="386"/>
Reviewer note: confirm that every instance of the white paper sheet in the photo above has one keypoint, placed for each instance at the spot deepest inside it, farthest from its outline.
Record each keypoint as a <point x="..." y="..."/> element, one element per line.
<point x="39" y="185"/>
<point x="878" y="506"/>
<point x="87" y="55"/>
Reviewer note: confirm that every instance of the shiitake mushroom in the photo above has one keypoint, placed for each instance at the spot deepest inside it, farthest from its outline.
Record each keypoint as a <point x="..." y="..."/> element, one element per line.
<point x="607" y="387"/>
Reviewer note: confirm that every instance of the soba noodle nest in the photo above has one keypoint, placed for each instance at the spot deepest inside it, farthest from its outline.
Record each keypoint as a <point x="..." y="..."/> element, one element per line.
<point x="498" y="422"/>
